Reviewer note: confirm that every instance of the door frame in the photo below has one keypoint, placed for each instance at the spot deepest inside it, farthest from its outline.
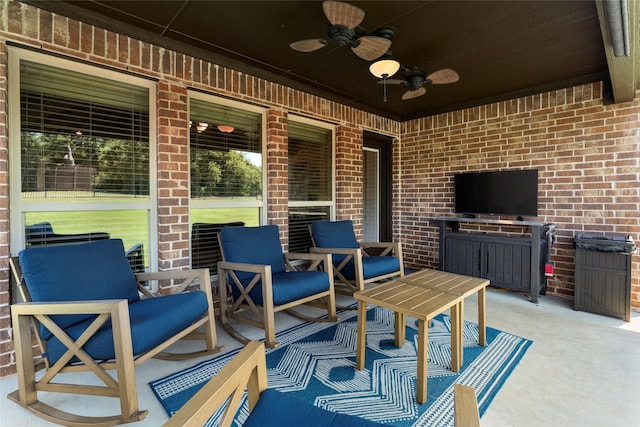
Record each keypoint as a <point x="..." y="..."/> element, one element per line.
<point x="383" y="144"/>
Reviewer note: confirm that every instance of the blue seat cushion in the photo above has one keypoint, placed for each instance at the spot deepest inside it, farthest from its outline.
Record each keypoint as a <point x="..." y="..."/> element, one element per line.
<point x="275" y="408"/>
<point x="253" y="245"/>
<point x="334" y="234"/>
<point x="96" y="270"/>
<point x="153" y="321"/>
<point x="289" y="286"/>
<point x="340" y="234"/>
<point x="372" y="266"/>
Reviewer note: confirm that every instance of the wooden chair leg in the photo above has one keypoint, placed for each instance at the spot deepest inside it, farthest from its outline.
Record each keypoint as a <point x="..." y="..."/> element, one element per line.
<point x="268" y="312"/>
<point x="124" y="362"/>
<point x="27" y="393"/>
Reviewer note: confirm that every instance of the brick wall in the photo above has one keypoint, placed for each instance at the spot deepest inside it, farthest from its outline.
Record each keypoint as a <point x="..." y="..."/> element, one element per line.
<point x="587" y="154"/>
<point x="277" y="173"/>
<point x="349" y="185"/>
<point x="173" y="176"/>
<point x="6" y="344"/>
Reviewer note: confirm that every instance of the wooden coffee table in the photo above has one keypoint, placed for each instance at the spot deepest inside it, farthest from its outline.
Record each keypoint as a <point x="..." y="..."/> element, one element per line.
<point x="423" y="295"/>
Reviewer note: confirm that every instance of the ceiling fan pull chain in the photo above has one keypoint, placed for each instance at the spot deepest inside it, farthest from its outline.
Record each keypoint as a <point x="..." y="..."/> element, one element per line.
<point x="384" y="87"/>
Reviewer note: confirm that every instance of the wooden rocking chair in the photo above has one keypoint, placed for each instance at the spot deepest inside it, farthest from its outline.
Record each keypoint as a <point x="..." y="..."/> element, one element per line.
<point x="355" y="264"/>
<point x="83" y="304"/>
<point x="262" y="280"/>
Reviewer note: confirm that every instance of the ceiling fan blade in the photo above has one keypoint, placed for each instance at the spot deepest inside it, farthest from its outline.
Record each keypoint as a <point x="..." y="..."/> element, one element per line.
<point x="410" y="94"/>
<point x="339" y="13"/>
<point x="308" y="45"/>
<point x="444" y="76"/>
<point x="393" y="82"/>
<point x="371" y="47"/>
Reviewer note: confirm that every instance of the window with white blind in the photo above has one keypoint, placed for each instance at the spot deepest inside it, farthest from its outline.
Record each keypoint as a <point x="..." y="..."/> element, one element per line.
<point x="83" y="163"/>
<point x="226" y="172"/>
<point x="311" y="188"/>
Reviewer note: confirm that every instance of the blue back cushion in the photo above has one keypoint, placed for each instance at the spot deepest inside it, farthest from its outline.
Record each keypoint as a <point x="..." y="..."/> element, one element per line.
<point x="39" y="229"/>
<point x="96" y="270"/>
<point x="253" y="245"/>
<point x="336" y="234"/>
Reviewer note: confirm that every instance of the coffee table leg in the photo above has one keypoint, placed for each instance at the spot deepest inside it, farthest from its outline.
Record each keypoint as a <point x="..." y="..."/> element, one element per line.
<point x="399" y="327"/>
<point x="456" y="336"/>
<point x="361" y="336"/>
<point x="423" y="357"/>
<point x="482" y="317"/>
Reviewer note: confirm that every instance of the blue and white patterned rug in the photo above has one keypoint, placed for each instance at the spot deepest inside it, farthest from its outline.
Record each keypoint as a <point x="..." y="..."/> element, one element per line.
<point x="316" y="363"/>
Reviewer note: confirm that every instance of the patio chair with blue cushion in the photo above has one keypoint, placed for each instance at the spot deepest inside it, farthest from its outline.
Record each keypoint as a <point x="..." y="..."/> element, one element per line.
<point x="262" y="280"/>
<point x="355" y="264"/>
<point x="91" y="313"/>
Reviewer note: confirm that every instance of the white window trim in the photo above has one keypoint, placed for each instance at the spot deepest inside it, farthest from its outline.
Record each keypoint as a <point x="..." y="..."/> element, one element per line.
<point x="18" y="209"/>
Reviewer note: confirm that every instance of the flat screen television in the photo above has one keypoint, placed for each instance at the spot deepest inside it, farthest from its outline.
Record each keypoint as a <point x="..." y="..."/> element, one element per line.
<point x="509" y="192"/>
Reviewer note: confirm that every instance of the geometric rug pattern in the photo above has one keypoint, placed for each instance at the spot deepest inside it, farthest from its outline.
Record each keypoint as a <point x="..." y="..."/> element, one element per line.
<point x="316" y="363"/>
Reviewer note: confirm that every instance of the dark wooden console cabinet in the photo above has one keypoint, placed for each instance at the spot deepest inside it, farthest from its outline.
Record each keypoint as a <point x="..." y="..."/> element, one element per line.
<point x="511" y="262"/>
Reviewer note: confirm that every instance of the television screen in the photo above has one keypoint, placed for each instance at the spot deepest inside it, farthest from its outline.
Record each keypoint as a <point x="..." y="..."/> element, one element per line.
<point x="512" y="192"/>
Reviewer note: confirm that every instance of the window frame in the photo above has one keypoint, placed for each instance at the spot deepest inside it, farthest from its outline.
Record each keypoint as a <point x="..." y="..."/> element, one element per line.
<point x="231" y="203"/>
<point x="18" y="209"/>
<point x="331" y="204"/>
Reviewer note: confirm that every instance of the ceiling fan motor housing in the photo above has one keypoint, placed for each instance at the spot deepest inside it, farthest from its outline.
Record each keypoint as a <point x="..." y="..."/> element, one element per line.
<point x="341" y="35"/>
<point x="416" y="80"/>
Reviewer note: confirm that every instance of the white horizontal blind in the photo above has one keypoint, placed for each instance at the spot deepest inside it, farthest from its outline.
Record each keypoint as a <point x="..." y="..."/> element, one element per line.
<point x="84" y="159"/>
<point x="226" y="174"/>
<point x="225" y="164"/>
<point x="310" y="181"/>
<point x="82" y="136"/>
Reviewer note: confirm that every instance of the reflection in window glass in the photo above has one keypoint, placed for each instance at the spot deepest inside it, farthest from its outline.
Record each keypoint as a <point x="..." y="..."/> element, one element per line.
<point x="82" y="136"/>
<point x="310" y="175"/>
<point x="226" y="152"/>
<point x="54" y="227"/>
<point x="84" y="157"/>
<point x="310" y="181"/>
<point x="226" y="173"/>
<point x="299" y="220"/>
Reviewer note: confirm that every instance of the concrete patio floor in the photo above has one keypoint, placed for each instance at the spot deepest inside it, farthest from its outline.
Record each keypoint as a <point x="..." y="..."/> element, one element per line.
<point x="583" y="369"/>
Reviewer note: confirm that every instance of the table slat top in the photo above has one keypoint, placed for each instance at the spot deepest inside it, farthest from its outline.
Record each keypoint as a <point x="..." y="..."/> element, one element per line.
<point x="448" y="282"/>
<point x="423" y="294"/>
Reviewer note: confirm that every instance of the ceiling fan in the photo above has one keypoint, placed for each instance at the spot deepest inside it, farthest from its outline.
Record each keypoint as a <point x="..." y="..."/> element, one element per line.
<point x="343" y="19"/>
<point x="416" y="79"/>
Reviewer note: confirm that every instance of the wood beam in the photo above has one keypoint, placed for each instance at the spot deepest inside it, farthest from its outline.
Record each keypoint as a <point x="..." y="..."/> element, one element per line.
<point x="623" y="70"/>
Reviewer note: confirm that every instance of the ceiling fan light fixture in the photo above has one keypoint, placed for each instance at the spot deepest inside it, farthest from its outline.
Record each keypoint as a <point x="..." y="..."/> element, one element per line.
<point x="384" y="68"/>
<point x="226" y="128"/>
<point x="201" y="126"/>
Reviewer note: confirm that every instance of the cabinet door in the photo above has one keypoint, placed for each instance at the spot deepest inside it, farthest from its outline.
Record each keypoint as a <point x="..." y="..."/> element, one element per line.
<point x="508" y="264"/>
<point x="462" y="256"/>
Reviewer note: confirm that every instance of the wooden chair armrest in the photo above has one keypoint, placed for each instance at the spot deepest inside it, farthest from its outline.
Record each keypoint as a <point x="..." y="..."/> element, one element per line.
<point x="65" y="307"/>
<point x="186" y="277"/>
<point x="306" y="256"/>
<point x="247" y="370"/>
<point x="336" y="251"/>
<point x="239" y="266"/>
<point x="389" y="248"/>
<point x="465" y="406"/>
<point x="379" y="244"/>
<point x="316" y="260"/>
